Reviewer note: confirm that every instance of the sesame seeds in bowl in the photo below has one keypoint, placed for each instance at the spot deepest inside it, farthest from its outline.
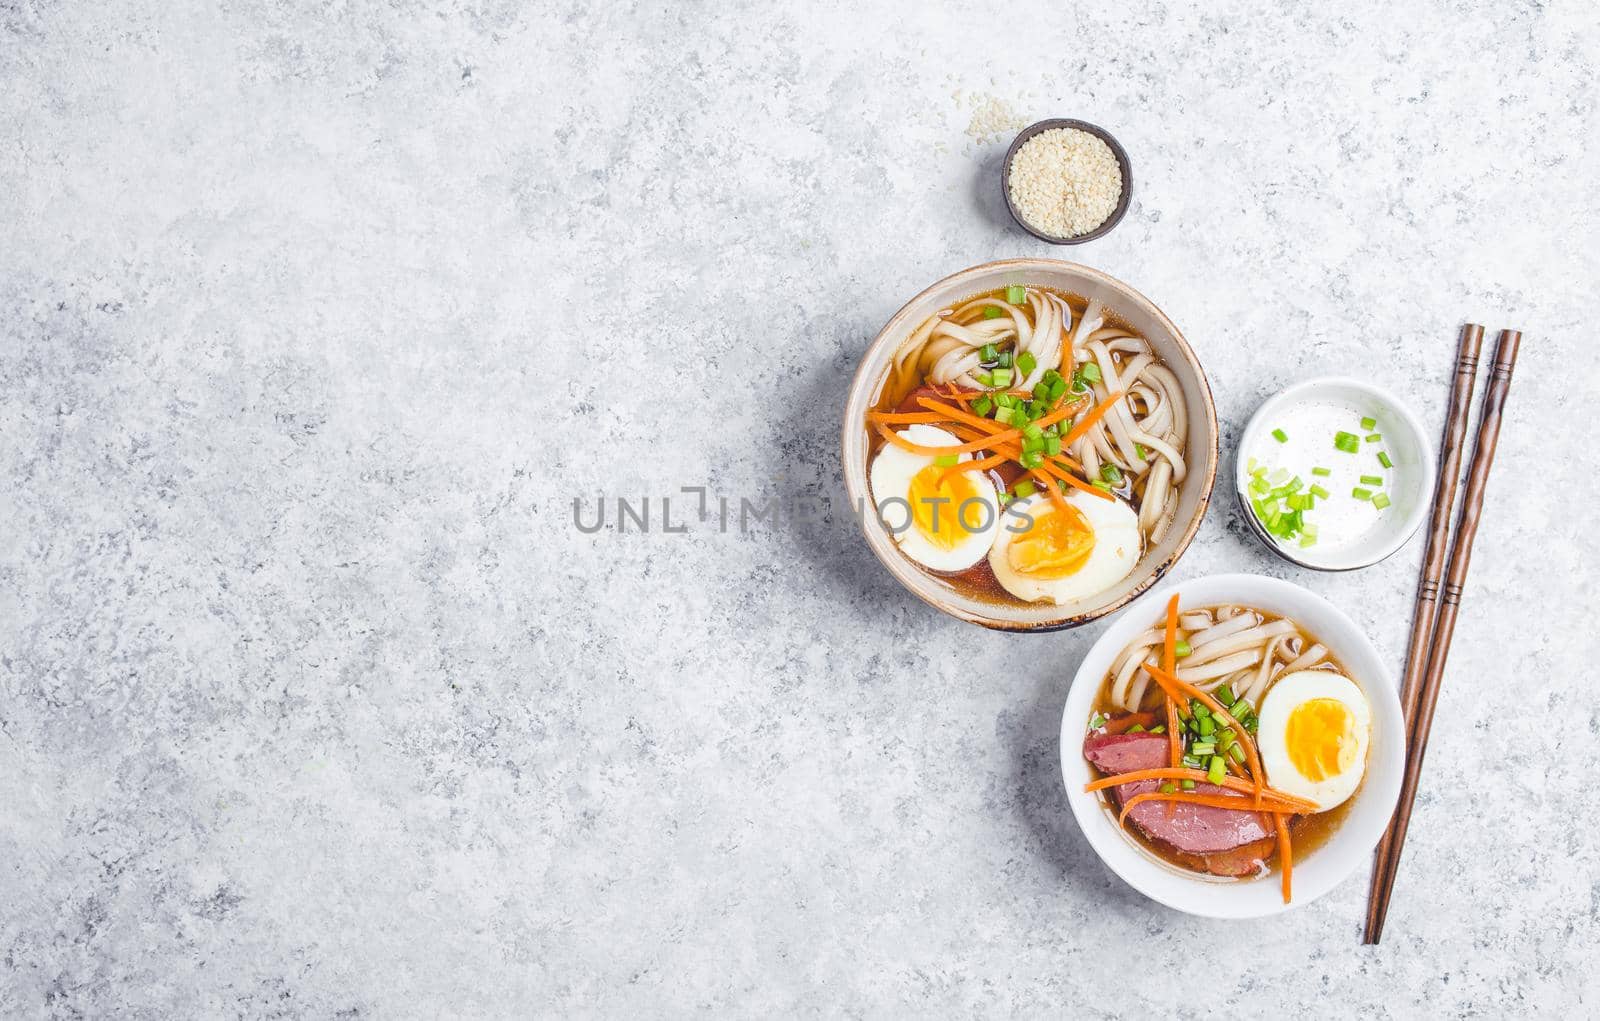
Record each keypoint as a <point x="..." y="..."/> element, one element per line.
<point x="1066" y="181"/>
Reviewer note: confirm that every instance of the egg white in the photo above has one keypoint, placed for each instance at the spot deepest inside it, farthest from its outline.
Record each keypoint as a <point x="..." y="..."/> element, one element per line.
<point x="1285" y="695"/>
<point x="1116" y="548"/>
<point x="890" y="479"/>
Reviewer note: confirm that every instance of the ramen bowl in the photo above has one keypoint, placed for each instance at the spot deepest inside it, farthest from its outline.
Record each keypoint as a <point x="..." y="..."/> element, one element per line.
<point x="1166" y="342"/>
<point x="1363" y="818"/>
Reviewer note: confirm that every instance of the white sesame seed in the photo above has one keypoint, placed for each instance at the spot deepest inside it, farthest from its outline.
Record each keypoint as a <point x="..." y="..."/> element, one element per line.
<point x="1065" y="182"/>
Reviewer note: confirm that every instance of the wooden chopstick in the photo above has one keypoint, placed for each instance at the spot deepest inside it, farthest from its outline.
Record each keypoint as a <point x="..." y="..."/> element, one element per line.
<point x="1494" y="399"/>
<point x="1422" y="615"/>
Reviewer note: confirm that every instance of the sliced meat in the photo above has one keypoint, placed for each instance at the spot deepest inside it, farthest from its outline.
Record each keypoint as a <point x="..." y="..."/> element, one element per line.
<point x="1124" y="753"/>
<point x="1192" y="829"/>
<point x="1222" y="841"/>
<point x="1244" y="860"/>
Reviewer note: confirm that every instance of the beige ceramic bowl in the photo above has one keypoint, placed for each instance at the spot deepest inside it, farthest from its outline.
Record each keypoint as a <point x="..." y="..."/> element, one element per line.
<point x="1144" y="317"/>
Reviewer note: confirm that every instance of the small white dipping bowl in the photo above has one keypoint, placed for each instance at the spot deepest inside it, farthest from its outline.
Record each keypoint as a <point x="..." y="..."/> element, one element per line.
<point x="1410" y="481"/>
<point x="1350" y="845"/>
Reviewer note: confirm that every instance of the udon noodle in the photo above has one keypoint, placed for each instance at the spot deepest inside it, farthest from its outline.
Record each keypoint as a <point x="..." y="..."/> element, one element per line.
<point x="1229" y="645"/>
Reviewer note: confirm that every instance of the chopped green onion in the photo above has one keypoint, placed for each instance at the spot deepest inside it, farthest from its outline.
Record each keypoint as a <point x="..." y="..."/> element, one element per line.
<point x="1319" y="492"/>
<point x="1368" y="424"/>
<point x="1374" y="437"/>
<point x="1381" y="501"/>
<point x="1361" y="494"/>
<point x="1002" y="377"/>
<point x="1024" y="488"/>
<point x="1032" y="431"/>
<point x="1188" y="785"/>
<point x="1005" y="359"/>
<point x="1372" y="480"/>
<point x="1203" y="748"/>
<point x="1052" y="445"/>
<point x="1347" y="442"/>
<point x="1032" y="444"/>
<point x="1307" y="540"/>
<point x="1026" y="363"/>
<point x="1192" y="762"/>
<point x="990" y="312"/>
<point x="1280" y="436"/>
<point x="1251" y="724"/>
<point x="1111" y="473"/>
<point x="1236" y="753"/>
<point x="1031" y="459"/>
<point x="1324" y="472"/>
<point x="984" y="379"/>
<point x="1138" y="448"/>
<point x="1091" y="372"/>
<point x="1137" y="728"/>
<point x="988" y="354"/>
<point x="1098" y="484"/>
<point x="947" y="460"/>
<point x="1218" y="771"/>
<point x="1058" y="386"/>
<point x="1096" y="721"/>
<point x="1383" y="459"/>
<point x="1198" y="708"/>
<point x="1208" y="726"/>
<point x="1225" y="696"/>
<point x="1160" y="728"/>
<point x="1181" y="648"/>
<point x="1169" y="788"/>
<point x="982" y="406"/>
<point x="1016" y="294"/>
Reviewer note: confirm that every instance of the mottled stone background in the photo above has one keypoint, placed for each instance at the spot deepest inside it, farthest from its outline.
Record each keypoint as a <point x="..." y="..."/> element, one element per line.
<point x="314" y="319"/>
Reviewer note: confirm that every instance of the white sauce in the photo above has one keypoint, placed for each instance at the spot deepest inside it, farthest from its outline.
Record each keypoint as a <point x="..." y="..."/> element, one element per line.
<point x="1341" y="520"/>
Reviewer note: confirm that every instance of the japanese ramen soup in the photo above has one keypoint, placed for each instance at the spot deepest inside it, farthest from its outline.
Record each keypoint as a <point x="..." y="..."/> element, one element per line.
<point x="1026" y="447"/>
<point x="1228" y="742"/>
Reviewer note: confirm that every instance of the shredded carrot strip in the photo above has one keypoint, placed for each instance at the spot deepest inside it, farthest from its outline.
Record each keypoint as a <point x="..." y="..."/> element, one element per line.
<point x="1300" y="806"/>
<point x="981" y="465"/>
<point x="1169" y="659"/>
<point x="1082" y="425"/>
<point x="904" y="417"/>
<point x="1285" y="856"/>
<point x="927" y="451"/>
<point x="1169" y="682"/>
<point x="1240" y="804"/>
<point x="1049" y="486"/>
<point x="1122" y="723"/>
<point x="988" y="425"/>
<point x="968" y="396"/>
<point x="1050" y="466"/>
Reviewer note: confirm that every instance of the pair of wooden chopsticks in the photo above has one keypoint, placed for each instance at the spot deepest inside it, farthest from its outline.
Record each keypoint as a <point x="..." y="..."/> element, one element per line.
<point x="1433" y="621"/>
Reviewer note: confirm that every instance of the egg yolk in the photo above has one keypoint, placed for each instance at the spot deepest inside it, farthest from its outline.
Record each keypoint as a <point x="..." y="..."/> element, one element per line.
<point x="1321" y="737"/>
<point x="936" y="497"/>
<point x="1055" y="546"/>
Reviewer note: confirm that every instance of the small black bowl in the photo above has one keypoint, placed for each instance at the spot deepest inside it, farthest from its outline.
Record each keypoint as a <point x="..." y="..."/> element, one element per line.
<point x="1122" y="164"/>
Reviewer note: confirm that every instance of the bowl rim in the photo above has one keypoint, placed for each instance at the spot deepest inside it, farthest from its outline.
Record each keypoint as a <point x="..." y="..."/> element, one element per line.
<point x="856" y="489"/>
<point x="1123" y="164"/>
<point x="1425" y="483"/>
<point x="1386" y="760"/>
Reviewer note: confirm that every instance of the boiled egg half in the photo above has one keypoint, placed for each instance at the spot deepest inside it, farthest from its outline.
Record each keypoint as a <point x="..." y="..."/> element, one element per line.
<point x="1049" y="552"/>
<point x="943" y="518"/>
<point x="1313" y="736"/>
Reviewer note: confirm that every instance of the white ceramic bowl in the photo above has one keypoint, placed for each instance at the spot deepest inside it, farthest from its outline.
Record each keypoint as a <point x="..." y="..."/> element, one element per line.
<point x="1411" y="483"/>
<point x="1350" y="845"/>
<point x="1201" y="456"/>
